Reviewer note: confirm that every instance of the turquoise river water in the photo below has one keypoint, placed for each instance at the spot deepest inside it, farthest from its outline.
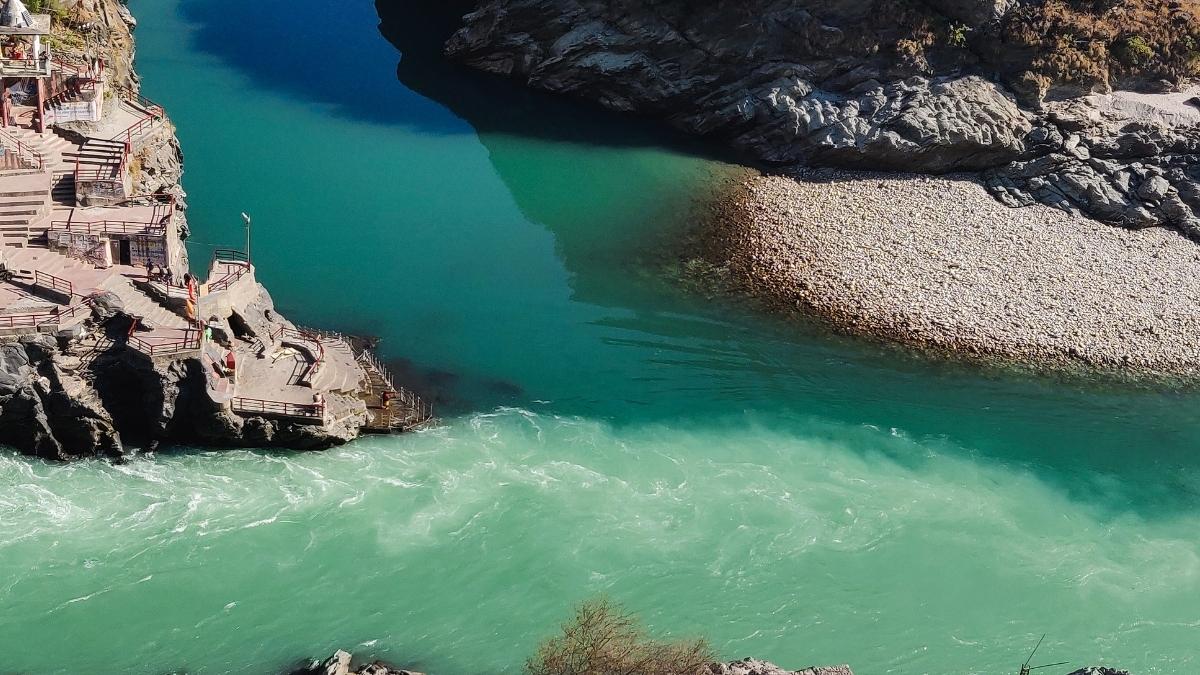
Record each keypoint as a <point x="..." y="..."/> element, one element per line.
<point x="790" y="495"/>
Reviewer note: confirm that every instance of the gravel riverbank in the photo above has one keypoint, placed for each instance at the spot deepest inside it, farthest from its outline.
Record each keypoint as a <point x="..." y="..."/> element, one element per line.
<point x="936" y="262"/>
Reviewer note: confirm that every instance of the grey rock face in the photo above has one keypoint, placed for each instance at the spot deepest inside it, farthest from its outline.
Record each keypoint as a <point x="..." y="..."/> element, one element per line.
<point x="946" y="124"/>
<point x="1100" y="670"/>
<point x="1110" y="166"/>
<point x="805" y="82"/>
<point x="774" y="79"/>
<point x="48" y="411"/>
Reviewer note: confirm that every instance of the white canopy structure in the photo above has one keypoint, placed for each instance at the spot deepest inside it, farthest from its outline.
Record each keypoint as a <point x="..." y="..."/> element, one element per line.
<point x="14" y="15"/>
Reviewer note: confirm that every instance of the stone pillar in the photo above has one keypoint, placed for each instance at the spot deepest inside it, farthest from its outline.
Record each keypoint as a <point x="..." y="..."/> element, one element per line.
<point x="40" y="126"/>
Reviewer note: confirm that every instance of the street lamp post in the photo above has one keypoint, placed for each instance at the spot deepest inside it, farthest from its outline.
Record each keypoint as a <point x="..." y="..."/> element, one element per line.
<point x="246" y="218"/>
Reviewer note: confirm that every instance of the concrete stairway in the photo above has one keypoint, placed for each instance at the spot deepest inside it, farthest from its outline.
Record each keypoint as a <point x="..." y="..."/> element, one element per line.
<point x="86" y="280"/>
<point x="99" y="157"/>
<point x="24" y="201"/>
<point x="59" y="155"/>
<point x="339" y="371"/>
<point x="84" y="277"/>
<point x="62" y="169"/>
<point x="138" y="303"/>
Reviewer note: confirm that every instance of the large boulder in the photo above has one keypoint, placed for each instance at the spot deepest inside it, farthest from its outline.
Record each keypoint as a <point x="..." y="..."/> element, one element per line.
<point x="937" y="126"/>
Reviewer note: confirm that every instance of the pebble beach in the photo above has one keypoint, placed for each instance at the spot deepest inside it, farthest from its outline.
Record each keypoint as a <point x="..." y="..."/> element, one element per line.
<point x="936" y="262"/>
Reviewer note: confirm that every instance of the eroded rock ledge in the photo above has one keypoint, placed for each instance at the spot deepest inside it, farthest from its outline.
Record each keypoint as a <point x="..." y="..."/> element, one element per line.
<point x="862" y="85"/>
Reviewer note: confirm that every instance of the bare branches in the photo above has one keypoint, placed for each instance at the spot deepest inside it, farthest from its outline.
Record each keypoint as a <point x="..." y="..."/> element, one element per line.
<point x="603" y="639"/>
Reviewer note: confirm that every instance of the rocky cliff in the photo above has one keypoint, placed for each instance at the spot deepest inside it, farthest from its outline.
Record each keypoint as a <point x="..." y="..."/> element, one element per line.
<point x="1023" y="91"/>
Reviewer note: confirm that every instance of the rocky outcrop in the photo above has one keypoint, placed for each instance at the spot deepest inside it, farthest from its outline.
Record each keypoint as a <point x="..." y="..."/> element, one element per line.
<point x="339" y="664"/>
<point x="46" y="408"/>
<point x="1100" y="670"/>
<point x="750" y="666"/>
<point x="861" y="85"/>
<point x="90" y="395"/>
<point x="780" y="82"/>
<point x="1121" y="158"/>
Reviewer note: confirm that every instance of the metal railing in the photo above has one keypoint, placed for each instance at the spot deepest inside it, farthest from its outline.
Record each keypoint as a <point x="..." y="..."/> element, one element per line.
<point x="109" y="227"/>
<point x="237" y="265"/>
<point x="38" y="319"/>
<point x="189" y="341"/>
<point x="28" y="156"/>
<point x="238" y="271"/>
<point x="412" y="411"/>
<point x="54" y="283"/>
<point x="153" y="109"/>
<point x="25" y="67"/>
<point x="229" y="255"/>
<point x="369" y="359"/>
<point x="87" y="74"/>
<point x="70" y="312"/>
<point x="154" y="114"/>
<point x="27" y="320"/>
<point x="257" y="406"/>
<point x="306" y="336"/>
<point x="110" y="172"/>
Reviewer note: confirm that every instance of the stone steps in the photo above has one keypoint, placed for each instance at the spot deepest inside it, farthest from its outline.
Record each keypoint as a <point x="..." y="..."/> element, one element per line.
<point x="58" y="154"/>
<point x="138" y="303"/>
<point x="83" y="276"/>
<point x="22" y="204"/>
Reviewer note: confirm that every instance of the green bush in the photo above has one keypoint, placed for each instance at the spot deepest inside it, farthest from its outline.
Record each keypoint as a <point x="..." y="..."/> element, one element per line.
<point x="956" y="36"/>
<point x="1135" y="51"/>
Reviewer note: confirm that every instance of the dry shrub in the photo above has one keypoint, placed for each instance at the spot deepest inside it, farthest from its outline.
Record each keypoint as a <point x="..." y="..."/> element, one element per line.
<point x="602" y="639"/>
<point x="1107" y="42"/>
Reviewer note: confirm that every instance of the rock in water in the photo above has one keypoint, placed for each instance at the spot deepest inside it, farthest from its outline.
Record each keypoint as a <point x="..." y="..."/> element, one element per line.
<point x="1100" y="670"/>
<point x="750" y="666"/>
<point x="339" y="664"/>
